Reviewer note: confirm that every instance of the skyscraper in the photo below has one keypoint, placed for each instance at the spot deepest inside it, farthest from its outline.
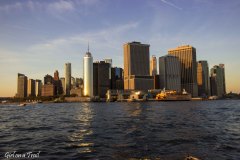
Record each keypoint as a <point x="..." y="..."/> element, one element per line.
<point x="169" y="73"/>
<point x="217" y="79"/>
<point x="187" y="57"/>
<point x="88" y="74"/>
<point x="22" y="82"/>
<point x="67" y="78"/>
<point x="117" y="78"/>
<point x="110" y="66"/>
<point x="62" y="84"/>
<point x="38" y="87"/>
<point x="203" y="78"/>
<point x="31" y="87"/>
<point x="136" y="66"/>
<point x="101" y="81"/>
<point x="153" y="66"/>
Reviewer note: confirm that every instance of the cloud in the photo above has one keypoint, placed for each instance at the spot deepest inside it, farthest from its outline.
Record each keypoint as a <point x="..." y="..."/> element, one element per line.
<point x="108" y="37"/>
<point x="59" y="6"/>
<point x="171" y="4"/>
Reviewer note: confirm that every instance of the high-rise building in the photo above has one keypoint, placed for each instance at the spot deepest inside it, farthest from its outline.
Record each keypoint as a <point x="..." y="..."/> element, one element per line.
<point x="22" y="84"/>
<point x="31" y="87"/>
<point x="117" y="78"/>
<point x="88" y="75"/>
<point x="56" y="75"/>
<point x="58" y="90"/>
<point x="217" y="80"/>
<point x="136" y="66"/>
<point x="62" y="84"/>
<point x="187" y="57"/>
<point x="153" y="66"/>
<point x="38" y="87"/>
<point x="101" y="81"/>
<point x="67" y="78"/>
<point x="48" y="79"/>
<point x="48" y="90"/>
<point x="73" y="82"/>
<point x="110" y="66"/>
<point x="203" y="78"/>
<point x="170" y="73"/>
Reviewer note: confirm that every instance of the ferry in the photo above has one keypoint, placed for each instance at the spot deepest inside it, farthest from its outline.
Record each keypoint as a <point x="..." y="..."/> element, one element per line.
<point x="171" y="95"/>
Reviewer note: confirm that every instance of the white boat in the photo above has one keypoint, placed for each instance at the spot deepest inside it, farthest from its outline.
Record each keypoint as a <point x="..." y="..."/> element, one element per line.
<point x="22" y="104"/>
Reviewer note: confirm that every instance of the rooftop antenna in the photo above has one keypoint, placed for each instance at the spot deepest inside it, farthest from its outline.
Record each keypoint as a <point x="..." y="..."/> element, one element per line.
<point x="88" y="46"/>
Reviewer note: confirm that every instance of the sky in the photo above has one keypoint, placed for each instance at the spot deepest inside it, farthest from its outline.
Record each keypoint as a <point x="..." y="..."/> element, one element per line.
<point x="38" y="37"/>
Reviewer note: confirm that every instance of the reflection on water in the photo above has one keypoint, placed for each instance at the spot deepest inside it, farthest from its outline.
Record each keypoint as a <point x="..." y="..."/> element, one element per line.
<point x="83" y="118"/>
<point x="149" y="130"/>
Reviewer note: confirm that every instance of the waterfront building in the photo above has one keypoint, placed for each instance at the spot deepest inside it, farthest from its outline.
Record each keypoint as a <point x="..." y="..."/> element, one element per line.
<point x="62" y="84"/>
<point x="73" y="82"/>
<point x="101" y="81"/>
<point x="217" y="80"/>
<point x="88" y="74"/>
<point x="22" y="84"/>
<point x="136" y="66"/>
<point x="67" y="78"/>
<point x="203" y="78"/>
<point x="38" y="87"/>
<point x="188" y="64"/>
<point x="156" y="81"/>
<point x="48" y="90"/>
<point x="31" y="87"/>
<point x="116" y="78"/>
<point x="48" y="79"/>
<point x="79" y="82"/>
<point x="153" y="66"/>
<point x="169" y="73"/>
<point x="58" y="89"/>
<point x="76" y="91"/>
<point x="110" y="66"/>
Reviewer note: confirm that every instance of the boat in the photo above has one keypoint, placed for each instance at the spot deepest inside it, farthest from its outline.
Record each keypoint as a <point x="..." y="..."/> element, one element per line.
<point x="22" y="104"/>
<point x="171" y="95"/>
<point x="191" y="158"/>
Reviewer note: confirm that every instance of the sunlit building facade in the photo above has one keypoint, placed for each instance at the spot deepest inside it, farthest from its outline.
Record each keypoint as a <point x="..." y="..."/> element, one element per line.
<point x="170" y="73"/>
<point x="31" y="87"/>
<point x="153" y="66"/>
<point x="217" y="80"/>
<point x="136" y="66"/>
<point x="188" y="65"/>
<point x="88" y="75"/>
<point x="67" y="78"/>
<point x="203" y="78"/>
<point x="22" y="85"/>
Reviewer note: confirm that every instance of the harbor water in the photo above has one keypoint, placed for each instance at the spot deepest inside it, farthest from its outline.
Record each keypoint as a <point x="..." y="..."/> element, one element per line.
<point x="137" y="130"/>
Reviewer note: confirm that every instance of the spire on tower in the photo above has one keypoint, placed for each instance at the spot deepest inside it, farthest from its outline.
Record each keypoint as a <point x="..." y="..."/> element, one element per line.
<point x="88" y="46"/>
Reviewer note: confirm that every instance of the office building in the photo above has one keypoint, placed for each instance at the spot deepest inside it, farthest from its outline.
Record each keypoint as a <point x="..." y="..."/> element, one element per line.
<point x="217" y="80"/>
<point x="88" y="75"/>
<point x="48" y="79"/>
<point x="170" y="73"/>
<point x="203" y="79"/>
<point x="31" y="87"/>
<point x="153" y="66"/>
<point x="156" y="80"/>
<point x="67" y="78"/>
<point x="62" y="84"/>
<point x="22" y="84"/>
<point x="136" y="66"/>
<point x="101" y="81"/>
<point x="38" y="87"/>
<point x="58" y="89"/>
<point x="117" y="78"/>
<point x="110" y="66"/>
<point x="188" y="64"/>
<point x="48" y="90"/>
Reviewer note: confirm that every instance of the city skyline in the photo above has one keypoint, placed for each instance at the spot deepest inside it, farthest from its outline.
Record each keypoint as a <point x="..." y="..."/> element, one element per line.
<point x="29" y="46"/>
